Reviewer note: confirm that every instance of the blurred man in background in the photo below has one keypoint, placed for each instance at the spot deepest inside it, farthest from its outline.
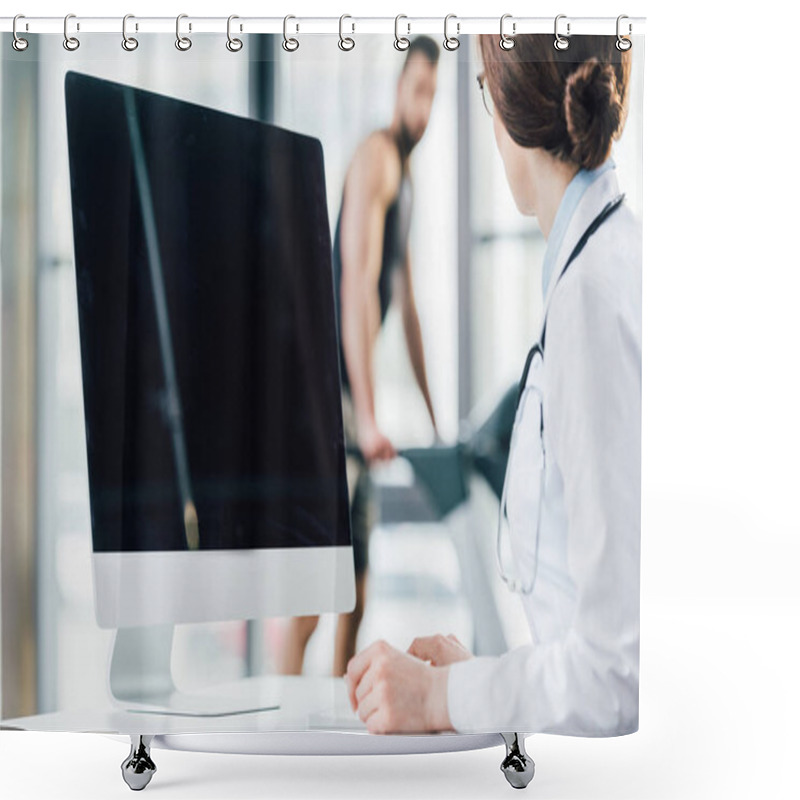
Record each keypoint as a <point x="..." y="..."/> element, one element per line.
<point x="371" y="269"/>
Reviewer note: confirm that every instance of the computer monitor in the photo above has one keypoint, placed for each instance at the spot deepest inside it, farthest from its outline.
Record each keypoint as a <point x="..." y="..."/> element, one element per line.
<point x="209" y="358"/>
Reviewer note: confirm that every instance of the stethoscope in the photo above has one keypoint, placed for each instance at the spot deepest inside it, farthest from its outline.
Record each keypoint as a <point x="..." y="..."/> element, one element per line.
<point x="526" y="393"/>
<point x="515" y="583"/>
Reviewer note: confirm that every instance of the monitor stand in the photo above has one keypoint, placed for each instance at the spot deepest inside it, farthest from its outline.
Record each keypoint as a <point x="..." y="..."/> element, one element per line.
<point x="140" y="680"/>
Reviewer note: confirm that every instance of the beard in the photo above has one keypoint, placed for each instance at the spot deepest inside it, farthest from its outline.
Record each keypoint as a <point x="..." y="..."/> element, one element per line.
<point x="406" y="141"/>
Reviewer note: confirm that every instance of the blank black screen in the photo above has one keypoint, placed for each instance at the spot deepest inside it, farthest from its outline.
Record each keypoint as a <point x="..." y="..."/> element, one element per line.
<point x="243" y="237"/>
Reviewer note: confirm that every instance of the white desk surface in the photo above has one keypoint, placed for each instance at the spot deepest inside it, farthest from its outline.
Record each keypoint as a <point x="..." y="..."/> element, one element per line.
<point x="314" y="717"/>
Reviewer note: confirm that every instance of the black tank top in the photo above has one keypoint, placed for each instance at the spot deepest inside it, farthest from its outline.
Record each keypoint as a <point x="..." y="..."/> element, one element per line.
<point x="395" y="241"/>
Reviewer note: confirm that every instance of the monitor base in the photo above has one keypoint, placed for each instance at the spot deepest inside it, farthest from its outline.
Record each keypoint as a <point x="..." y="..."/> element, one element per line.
<point x="140" y="681"/>
<point x="183" y="704"/>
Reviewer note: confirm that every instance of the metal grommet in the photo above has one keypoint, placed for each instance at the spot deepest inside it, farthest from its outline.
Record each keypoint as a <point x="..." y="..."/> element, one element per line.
<point x="451" y="42"/>
<point x="71" y="43"/>
<point x="183" y="43"/>
<point x="233" y="44"/>
<point x="623" y="44"/>
<point x="128" y="42"/>
<point x="506" y="41"/>
<point x="401" y="42"/>
<point x="290" y="44"/>
<point x="560" y="43"/>
<point x="19" y="44"/>
<point x="346" y="43"/>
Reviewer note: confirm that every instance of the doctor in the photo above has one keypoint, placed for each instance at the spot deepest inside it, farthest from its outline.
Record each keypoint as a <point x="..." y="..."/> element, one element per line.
<point x="570" y="518"/>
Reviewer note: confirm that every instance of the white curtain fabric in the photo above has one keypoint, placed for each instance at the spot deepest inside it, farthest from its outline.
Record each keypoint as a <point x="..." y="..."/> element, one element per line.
<point x="419" y="580"/>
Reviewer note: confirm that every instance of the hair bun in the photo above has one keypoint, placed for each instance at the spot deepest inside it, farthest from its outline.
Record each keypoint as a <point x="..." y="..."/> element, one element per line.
<point x="593" y="110"/>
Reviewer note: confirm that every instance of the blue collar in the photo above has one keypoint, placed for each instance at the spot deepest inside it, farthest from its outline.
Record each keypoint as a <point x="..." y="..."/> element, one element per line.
<point x="569" y="202"/>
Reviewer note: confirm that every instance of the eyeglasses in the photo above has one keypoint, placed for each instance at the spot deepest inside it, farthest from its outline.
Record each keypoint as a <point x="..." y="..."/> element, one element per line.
<point x="488" y="104"/>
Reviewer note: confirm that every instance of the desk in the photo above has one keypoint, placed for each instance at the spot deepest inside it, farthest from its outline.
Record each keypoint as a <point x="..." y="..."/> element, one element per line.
<point x="314" y="718"/>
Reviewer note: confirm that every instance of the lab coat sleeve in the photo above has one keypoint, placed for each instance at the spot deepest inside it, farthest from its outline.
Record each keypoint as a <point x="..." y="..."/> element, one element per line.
<point x="587" y="683"/>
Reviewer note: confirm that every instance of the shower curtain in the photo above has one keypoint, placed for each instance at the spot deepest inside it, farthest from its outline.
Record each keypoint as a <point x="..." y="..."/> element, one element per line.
<point x="284" y="445"/>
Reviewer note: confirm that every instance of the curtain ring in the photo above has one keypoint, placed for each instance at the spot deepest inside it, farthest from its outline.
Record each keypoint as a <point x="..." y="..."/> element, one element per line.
<point x="290" y="44"/>
<point x="233" y="44"/>
<point x="623" y="44"/>
<point x="345" y="42"/>
<point x="560" y="43"/>
<point x="128" y="42"/>
<point x="506" y="41"/>
<point x="19" y="44"/>
<point x="71" y="43"/>
<point x="183" y="43"/>
<point x="451" y="42"/>
<point x="400" y="42"/>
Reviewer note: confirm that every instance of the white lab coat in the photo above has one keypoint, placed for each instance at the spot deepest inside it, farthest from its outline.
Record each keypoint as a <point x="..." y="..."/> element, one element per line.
<point x="580" y="674"/>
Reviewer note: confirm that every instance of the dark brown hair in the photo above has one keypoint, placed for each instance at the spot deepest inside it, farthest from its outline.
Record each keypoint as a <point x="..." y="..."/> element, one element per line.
<point x="570" y="102"/>
<point x="424" y="45"/>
